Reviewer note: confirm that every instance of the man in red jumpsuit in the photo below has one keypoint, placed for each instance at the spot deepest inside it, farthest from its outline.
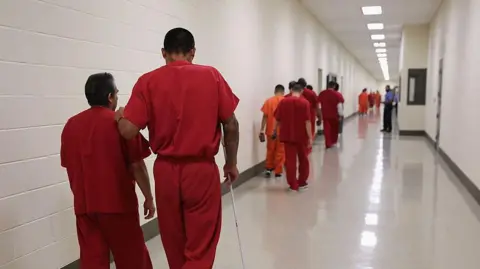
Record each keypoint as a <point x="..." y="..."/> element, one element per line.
<point x="293" y="119"/>
<point x="329" y="101"/>
<point x="102" y="169"/>
<point x="311" y="97"/>
<point x="183" y="106"/>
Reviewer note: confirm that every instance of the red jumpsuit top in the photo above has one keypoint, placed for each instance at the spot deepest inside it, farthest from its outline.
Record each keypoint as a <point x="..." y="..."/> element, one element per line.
<point x="182" y="104"/>
<point x="293" y="113"/>
<point x="97" y="161"/>
<point x="329" y="100"/>
<point x="311" y="97"/>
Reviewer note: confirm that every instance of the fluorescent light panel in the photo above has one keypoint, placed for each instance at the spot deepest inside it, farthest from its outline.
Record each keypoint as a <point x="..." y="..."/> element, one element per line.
<point x="379" y="44"/>
<point x="378" y="37"/>
<point x="372" y="10"/>
<point x="381" y="55"/>
<point x="381" y="50"/>
<point x="375" y="26"/>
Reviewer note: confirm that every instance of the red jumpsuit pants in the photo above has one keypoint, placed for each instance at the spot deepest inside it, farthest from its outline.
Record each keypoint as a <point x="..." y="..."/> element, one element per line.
<point x="330" y="131"/>
<point x="189" y="207"/>
<point x="292" y="152"/>
<point x="98" y="234"/>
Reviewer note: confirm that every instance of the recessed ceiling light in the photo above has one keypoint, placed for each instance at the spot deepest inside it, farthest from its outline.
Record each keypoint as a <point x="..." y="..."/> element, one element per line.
<point x="378" y="37"/>
<point x="375" y="26"/>
<point x="372" y="10"/>
<point x="381" y="55"/>
<point x="383" y="60"/>
<point x="381" y="50"/>
<point x="379" y="44"/>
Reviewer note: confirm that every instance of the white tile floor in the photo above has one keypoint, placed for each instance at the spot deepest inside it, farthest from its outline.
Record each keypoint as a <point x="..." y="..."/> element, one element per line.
<point x="377" y="202"/>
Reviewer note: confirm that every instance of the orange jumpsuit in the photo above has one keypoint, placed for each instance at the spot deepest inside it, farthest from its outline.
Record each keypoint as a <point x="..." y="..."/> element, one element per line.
<point x="182" y="105"/>
<point x="363" y="103"/>
<point x="378" y="99"/>
<point x="275" y="149"/>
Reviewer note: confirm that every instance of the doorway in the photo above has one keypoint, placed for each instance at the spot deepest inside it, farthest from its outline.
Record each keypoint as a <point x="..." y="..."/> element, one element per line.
<point x="439" y="103"/>
<point x="320" y="81"/>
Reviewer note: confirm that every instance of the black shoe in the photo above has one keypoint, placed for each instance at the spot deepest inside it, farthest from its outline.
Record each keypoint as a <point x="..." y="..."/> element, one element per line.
<point x="268" y="173"/>
<point x="278" y="175"/>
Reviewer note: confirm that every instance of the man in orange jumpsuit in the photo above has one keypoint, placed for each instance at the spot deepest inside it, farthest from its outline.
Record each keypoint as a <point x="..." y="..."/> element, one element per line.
<point x="275" y="150"/>
<point x="102" y="169"/>
<point x="378" y="99"/>
<point x="183" y="104"/>
<point x="330" y="100"/>
<point x="363" y="102"/>
<point x="293" y="118"/>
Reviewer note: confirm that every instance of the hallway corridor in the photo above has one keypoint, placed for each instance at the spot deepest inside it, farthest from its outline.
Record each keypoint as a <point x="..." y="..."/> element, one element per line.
<point x="377" y="202"/>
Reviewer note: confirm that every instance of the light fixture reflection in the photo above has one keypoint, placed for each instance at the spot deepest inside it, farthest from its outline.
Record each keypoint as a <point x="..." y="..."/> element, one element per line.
<point x="369" y="239"/>
<point x="371" y="219"/>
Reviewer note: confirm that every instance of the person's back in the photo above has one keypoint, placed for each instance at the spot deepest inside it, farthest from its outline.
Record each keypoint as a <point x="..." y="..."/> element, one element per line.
<point x="269" y="109"/>
<point x="102" y="170"/>
<point x="293" y="117"/>
<point x="90" y="139"/>
<point x="187" y="95"/>
<point x="329" y="100"/>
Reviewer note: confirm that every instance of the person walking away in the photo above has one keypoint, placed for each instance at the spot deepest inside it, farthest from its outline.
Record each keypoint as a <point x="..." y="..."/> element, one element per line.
<point x="183" y="105"/>
<point x="275" y="150"/>
<point x="363" y="102"/>
<point x="312" y="99"/>
<point x="102" y="169"/>
<point x="387" y="110"/>
<point x="293" y="118"/>
<point x="329" y="101"/>
<point x="378" y="99"/>
<point x="340" y="108"/>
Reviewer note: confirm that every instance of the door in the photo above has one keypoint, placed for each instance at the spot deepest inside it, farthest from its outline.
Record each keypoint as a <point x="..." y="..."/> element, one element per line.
<point x="320" y="81"/>
<point x="439" y="103"/>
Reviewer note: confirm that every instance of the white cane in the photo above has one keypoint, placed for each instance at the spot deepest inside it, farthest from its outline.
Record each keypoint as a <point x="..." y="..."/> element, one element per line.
<point x="230" y="183"/>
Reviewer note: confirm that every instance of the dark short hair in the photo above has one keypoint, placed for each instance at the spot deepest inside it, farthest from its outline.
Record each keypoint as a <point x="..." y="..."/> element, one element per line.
<point x="178" y="40"/>
<point x="337" y="86"/>
<point x="310" y="87"/>
<point x="302" y="82"/>
<point x="331" y="84"/>
<point x="297" y="88"/>
<point x="291" y="84"/>
<point x="279" y="88"/>
<point x="98" y="88"/>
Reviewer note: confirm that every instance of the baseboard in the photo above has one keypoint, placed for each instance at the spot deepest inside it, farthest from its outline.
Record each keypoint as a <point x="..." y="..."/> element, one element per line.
<point x="320" y="132"/>
<point x="472" y="189"/>
<point x="412" y="133"/>
<point x="150" y="229"/>
<point x="464" y="179"/>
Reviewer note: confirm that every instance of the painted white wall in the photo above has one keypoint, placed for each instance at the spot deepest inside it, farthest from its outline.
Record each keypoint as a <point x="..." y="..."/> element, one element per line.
<point x="414" y="51"/>
<point x="455" y="37"/>
<point x="49" y="47"/>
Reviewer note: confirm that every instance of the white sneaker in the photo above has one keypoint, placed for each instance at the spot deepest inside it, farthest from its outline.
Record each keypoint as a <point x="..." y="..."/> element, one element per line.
<point x="303" y="188"/>
<point x="290" y="190"/>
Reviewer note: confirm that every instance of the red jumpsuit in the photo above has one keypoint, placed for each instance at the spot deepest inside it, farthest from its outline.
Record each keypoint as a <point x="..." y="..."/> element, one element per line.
<point x="293" y="113"/>
<point x="329" y="100"/>
<point x="182" y="105"/>
<point x="311" y="97"/>
<point x="105" y="203"/>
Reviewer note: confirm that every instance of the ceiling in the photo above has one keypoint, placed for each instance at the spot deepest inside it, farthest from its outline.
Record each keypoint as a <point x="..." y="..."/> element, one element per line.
<point x="345" y="20"/>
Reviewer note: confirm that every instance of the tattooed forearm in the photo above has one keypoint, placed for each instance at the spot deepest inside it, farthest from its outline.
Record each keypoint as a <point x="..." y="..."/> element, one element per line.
<point x="231" y="139"/>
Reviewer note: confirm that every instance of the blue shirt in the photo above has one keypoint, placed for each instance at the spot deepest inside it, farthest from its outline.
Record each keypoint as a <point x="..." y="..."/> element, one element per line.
<point x="389" y="96"/>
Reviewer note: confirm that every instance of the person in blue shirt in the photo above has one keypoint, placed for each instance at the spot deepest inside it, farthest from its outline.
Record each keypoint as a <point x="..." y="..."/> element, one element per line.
<point x="387" y="110"/>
